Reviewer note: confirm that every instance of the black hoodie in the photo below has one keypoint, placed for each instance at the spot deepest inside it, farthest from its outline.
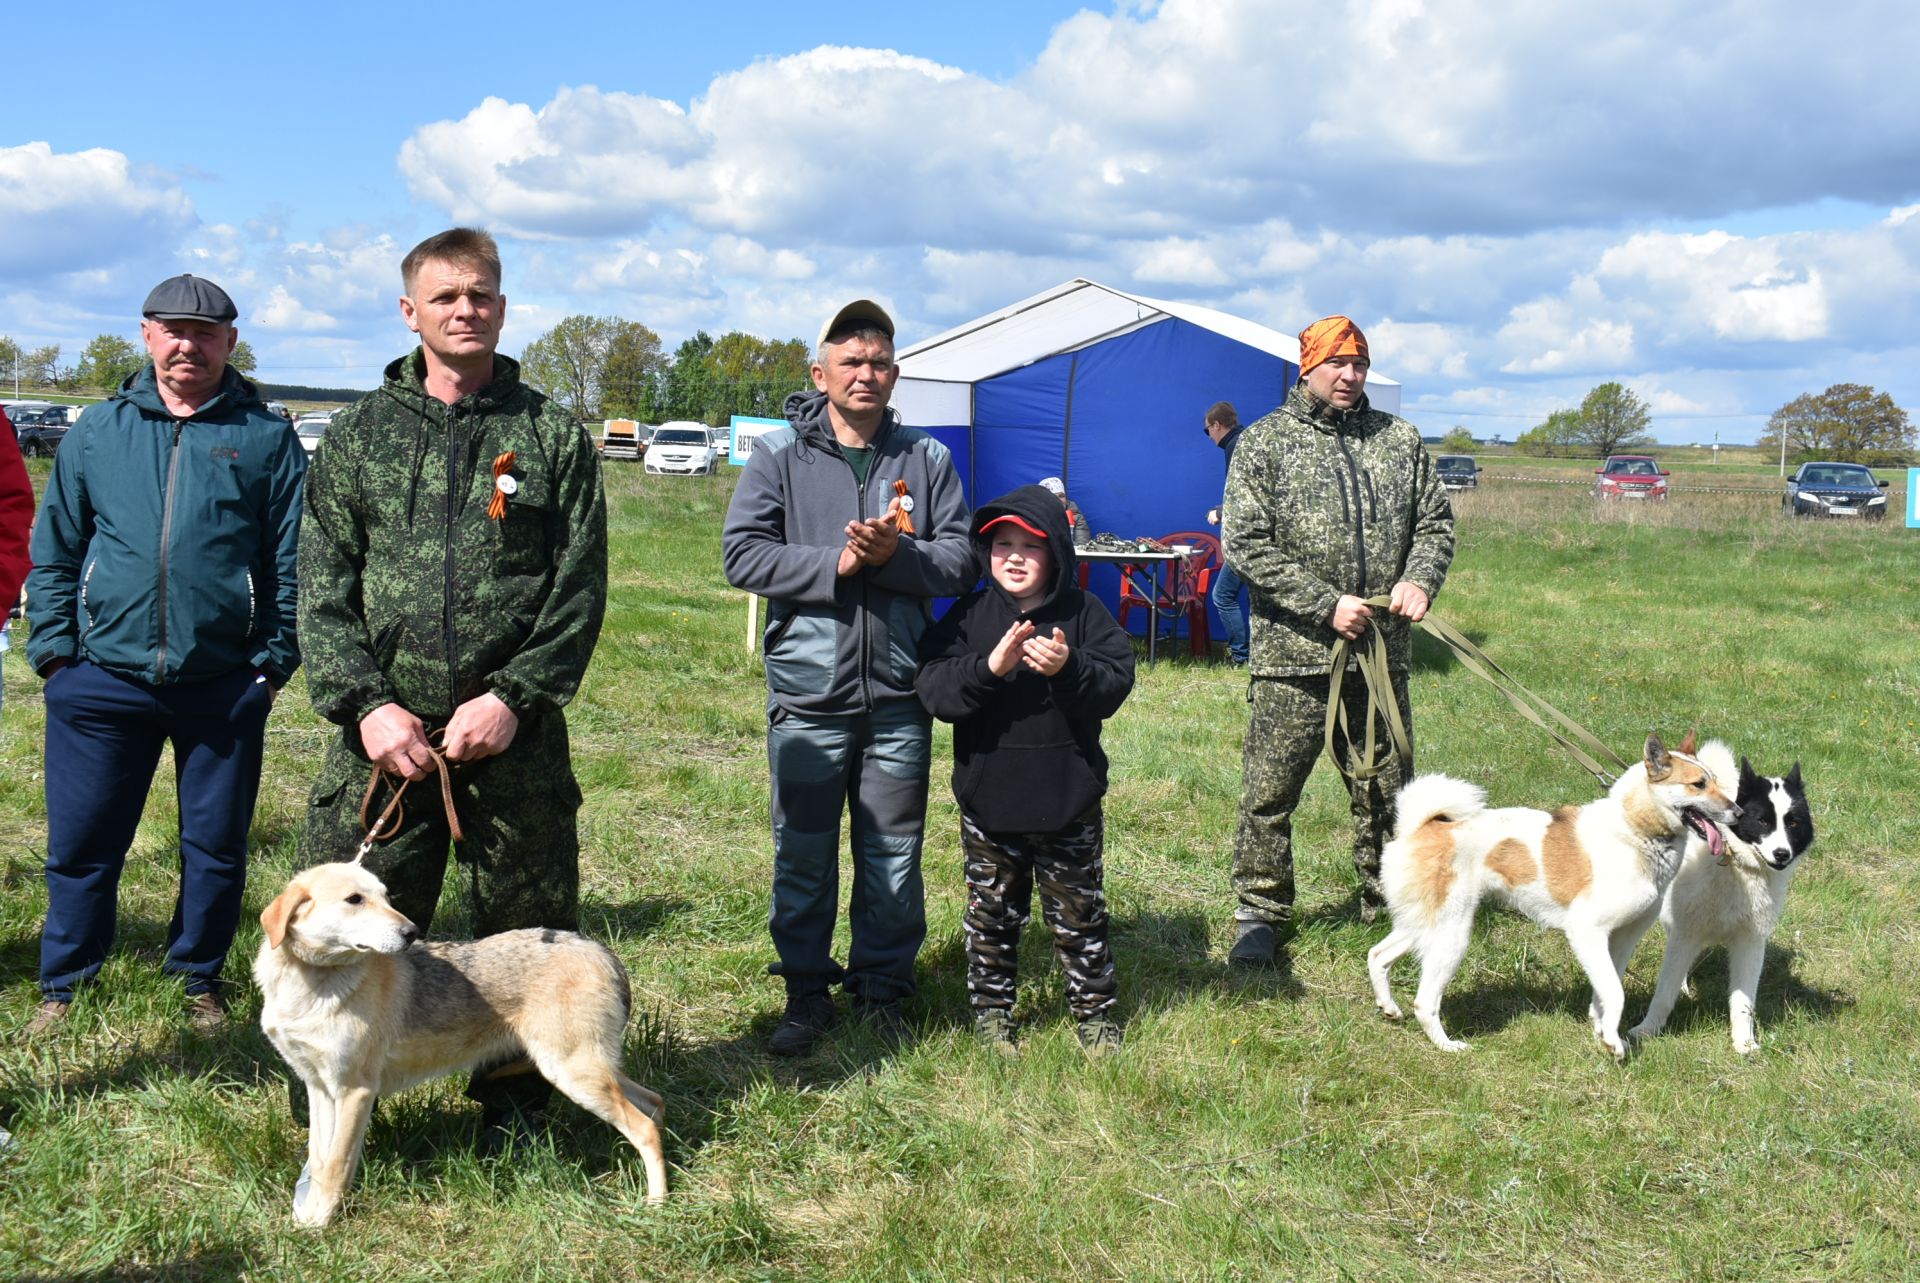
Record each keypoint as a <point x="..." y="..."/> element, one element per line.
<point x="1026" y="748"/>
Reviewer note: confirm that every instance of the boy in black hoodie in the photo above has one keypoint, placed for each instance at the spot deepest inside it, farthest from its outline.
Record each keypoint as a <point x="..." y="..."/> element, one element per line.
<point x="1026" y="668"/>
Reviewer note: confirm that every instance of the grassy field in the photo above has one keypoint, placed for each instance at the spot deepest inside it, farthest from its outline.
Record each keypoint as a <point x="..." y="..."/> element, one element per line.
<point x="1252" y="1128"/>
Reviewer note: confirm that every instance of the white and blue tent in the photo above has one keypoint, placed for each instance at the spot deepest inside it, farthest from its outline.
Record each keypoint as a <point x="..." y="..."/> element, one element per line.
<point x="1106" y="390"/>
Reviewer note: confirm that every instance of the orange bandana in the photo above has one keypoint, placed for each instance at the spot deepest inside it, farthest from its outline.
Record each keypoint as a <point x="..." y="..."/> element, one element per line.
<point x="1330" y="337"/>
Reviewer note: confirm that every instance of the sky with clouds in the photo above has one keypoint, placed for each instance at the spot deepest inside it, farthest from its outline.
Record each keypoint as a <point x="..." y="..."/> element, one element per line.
<point x="1717" y="204"/>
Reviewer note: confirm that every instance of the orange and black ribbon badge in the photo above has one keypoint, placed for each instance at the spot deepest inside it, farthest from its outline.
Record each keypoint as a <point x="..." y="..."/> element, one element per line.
<point x="504" y="486"/>
<point x="902" y="508"/>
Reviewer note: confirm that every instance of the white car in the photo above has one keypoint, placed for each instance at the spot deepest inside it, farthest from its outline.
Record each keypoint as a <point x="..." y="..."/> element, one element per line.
<point x="310" y="426"/>
<point x="683" y="447"/>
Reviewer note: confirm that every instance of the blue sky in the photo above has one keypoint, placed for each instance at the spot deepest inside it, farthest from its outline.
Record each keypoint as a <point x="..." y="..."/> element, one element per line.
<point x="1717" y="204"/>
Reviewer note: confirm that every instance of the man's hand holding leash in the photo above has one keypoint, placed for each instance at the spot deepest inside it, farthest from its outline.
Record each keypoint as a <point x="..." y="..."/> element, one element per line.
<point x="482" y="727"/>
<point x="1352" y="614"/>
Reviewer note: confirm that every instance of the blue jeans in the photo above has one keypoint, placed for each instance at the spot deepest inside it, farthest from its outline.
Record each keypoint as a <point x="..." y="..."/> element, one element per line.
<point x="874" y="765"/>
<point x="1229" y="593"/>
<point x="104" y="734"/>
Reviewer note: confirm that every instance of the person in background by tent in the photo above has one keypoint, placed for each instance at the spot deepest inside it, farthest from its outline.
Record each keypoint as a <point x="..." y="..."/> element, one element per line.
<point x="1329" y="502"/>
<point x="1229" y="592"/>
<point x="1076" y="520"/>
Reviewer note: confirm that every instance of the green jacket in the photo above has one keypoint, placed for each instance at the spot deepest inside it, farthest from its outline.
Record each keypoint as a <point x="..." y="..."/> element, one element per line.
<point x="164" y="549"/>
<point x="1322" y="502"/>
<point x="410" y="592"/>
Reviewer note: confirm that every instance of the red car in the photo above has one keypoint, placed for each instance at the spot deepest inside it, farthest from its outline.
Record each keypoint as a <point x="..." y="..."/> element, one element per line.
<point x="1630" y="476"/>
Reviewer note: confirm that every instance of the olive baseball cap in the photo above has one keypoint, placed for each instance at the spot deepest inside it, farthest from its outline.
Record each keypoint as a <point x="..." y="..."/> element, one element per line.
<point x="862" y="313"/>
<point x="189" y="298"/>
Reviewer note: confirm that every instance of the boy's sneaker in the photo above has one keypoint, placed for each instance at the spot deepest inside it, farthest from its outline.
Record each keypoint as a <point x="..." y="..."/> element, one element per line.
<point x="993" y="1027"/>
<point x="52" y="1012"/>
<point x="1099" y="1036"/>
<point x="808" y="1015"/>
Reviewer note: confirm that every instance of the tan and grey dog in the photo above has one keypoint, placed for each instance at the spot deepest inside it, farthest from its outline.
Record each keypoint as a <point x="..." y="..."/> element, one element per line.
<point x="1595" y="872"/>
<point x="359" y="1010"/>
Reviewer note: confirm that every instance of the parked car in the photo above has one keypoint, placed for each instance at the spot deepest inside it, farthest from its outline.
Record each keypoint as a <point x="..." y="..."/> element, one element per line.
<point x="40" y="430"/>
<point x="682" y="447"/>
<point x="1630" y="476"/>
<point x="1834" y="490"/>
<point x="624" y="438"/>
<point x="310" y="426"/>
<point x="1458" y="471"/>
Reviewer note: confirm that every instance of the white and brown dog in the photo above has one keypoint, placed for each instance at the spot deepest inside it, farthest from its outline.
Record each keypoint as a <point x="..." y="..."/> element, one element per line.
<point x="359" y="1010"/>
<point x="1733" y="897"/>
<point x="1595" y="872"/>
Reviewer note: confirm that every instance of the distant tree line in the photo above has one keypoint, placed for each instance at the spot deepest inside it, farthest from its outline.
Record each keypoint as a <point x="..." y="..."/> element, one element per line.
<point x="1847" y="422"/>
<point x="606" y="367"/>
<point x="301" y="392"/>
<point x="104" y="364"/>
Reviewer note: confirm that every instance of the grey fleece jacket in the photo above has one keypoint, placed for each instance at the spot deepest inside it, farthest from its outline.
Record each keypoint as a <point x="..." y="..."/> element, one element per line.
<point x="837" y="646"/>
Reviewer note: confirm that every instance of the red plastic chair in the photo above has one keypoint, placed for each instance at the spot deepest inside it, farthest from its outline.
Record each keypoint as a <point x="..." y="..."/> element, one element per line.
<point x="1183" y="590"/>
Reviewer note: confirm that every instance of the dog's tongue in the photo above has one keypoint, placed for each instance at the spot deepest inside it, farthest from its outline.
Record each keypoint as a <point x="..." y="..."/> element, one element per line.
<point x="1708" y="830"/>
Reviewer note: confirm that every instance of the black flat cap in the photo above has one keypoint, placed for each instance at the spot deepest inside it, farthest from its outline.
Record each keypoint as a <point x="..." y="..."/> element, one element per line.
<point x="188" y="298"/>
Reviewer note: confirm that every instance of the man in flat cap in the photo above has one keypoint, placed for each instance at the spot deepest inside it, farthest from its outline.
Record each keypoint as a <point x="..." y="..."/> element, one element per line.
<point x="453" y="572"/>
<point x="1329" y="502"/>
<point x="162" y="603"/>
<point x="849" y="522"/>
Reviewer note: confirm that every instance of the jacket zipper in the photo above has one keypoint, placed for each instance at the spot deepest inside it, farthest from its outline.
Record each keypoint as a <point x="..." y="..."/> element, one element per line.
<point x="86" y="583"/>
<point x="866" y="614"/>
<point x="166" y="541"/>
<point x="1359" y="514"/>
<point x="453" y="486"/>
<point x="253" y="610"/>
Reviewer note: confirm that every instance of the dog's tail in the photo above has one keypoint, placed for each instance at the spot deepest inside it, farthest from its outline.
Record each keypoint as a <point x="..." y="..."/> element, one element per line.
<point x="1431" y="797"/>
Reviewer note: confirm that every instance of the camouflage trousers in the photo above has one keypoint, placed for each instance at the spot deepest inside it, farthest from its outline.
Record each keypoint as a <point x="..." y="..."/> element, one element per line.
<point x="518" y="811"/>
<point x="521" y="852"/>
<point x="1286" y="733"/>
<point x="1001" y="870"/>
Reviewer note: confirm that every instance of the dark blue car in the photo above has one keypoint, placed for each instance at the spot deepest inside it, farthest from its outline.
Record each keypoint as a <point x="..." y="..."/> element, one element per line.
<point x="1834" y="490"/>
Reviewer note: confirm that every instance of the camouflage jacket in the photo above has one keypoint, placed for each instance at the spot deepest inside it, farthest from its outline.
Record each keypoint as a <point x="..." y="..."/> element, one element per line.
<point x="1322" y="502"/>
<point x="410" y="592"/>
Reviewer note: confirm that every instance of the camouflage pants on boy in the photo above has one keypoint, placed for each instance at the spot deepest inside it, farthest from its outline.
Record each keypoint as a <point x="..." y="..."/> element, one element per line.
<point x="1001" y="871"/>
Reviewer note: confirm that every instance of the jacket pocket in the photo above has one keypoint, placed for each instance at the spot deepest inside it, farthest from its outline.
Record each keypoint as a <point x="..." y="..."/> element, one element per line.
<point x="800" y="651"/>
<point x="907" y="621"/>
<point x="521" y="532"/>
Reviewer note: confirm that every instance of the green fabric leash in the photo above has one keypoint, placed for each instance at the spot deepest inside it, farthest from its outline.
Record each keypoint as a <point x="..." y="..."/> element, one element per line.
<point x="1375" y="752"/>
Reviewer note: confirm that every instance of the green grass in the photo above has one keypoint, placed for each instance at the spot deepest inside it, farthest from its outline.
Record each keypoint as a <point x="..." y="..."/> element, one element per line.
<point x="1252" y="1128"/>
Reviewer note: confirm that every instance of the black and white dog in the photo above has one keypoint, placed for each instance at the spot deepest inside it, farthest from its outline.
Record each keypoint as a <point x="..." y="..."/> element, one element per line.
<point x="1733" y="899"/>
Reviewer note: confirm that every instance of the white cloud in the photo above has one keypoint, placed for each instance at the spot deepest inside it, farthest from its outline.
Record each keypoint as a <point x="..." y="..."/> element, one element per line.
<point x="64" y="212"/>
<point x="282" y="311"/>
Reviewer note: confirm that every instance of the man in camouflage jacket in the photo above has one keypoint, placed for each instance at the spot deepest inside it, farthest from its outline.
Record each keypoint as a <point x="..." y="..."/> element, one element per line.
<point x="1328" y="502"/>
<point x="424" y="613"/>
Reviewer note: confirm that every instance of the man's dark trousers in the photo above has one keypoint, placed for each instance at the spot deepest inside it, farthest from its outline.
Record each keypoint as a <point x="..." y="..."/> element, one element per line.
<point x="104" y="735"/>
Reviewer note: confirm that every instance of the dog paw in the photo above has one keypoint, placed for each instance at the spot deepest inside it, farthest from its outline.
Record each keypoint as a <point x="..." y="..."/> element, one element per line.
<point x="1746" y="1046"/>
<point x="1643" y="1031"/>
<point x="1391" y="1010"/>
<point x="1452" y="1044"/>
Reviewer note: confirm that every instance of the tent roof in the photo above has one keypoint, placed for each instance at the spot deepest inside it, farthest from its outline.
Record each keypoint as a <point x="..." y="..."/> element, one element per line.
<point x="1069" y="317"/>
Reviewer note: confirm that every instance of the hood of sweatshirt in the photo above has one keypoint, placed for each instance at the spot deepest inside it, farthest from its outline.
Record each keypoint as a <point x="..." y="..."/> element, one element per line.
<point x="1044" y="512"/>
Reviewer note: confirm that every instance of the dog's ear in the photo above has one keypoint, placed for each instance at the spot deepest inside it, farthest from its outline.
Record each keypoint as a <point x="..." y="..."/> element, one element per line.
<point x="278" y="914"/>
<point x="1659" y="762"/>
<point x="1793" y="778"/>
<point x="1689" y="742"/>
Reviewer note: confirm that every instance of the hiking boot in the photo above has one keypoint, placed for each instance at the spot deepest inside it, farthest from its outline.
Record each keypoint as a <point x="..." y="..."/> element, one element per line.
<point x="1253" y="946"/>
<point x="884" y="1017"/>
<point x="52" y="1012"/>
<point x="1099" y="1036"/>
<point x="808" y="1015"/>
<point x="205" y="1012"/>
<point x="993" y="1027"/>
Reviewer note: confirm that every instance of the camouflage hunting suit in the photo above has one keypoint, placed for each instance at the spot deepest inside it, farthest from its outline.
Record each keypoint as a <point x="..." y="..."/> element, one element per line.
<point x="1321" y="502"/>
<point x="1001" y="870"/>
<point x="410" y="593"/>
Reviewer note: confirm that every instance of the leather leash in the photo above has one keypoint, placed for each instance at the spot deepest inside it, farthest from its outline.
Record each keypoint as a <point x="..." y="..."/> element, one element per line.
<point x="1377" y="752"/>
<point x="387" y="823"/>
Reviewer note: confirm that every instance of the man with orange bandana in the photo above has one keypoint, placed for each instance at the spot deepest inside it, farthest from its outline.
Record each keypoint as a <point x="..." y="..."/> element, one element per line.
<point x="1329" y="502"/>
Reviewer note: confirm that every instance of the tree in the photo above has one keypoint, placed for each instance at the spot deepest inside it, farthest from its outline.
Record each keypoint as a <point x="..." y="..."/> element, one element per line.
<point x="1848" y="421"/>
<point x="689" y="382"/>
<point x="242" y="361"/>
<point x="1458" y="440"/>
<point x="754" y="375"/>
<point x="632" y="372"/>
<point x="42" y="364"/>
<point x="566" y="363"/>
<point x="1554" y="437"/>
<point x="10" y="354"/>
<point x="106" y="362"/>
<point x="1613" y="419"/>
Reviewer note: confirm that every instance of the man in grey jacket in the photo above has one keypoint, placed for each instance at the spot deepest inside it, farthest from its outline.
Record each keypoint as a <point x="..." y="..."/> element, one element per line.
<point x="850" y="523"/>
